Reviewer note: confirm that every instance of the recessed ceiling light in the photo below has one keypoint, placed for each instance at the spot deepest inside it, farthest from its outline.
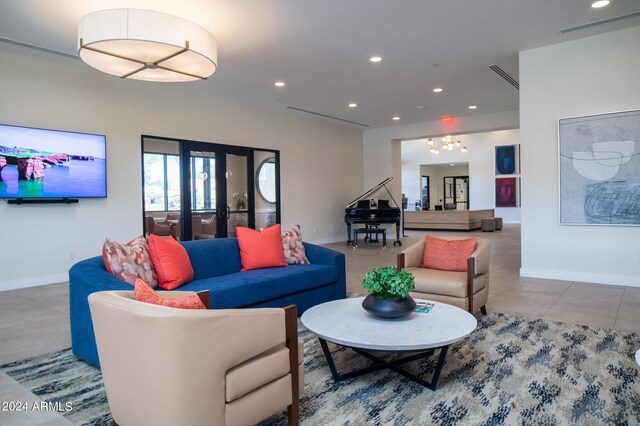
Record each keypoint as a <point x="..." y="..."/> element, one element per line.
<point x="279" y="83"/>
<point x="375" y="59"/>
<point x="452" y="164"/>
<point x="473" y="106"/>
<point x="353" y="105"/>
<point x="396" y="118"/>
<point x="600" y="3"/>
<point x="437" y="90"/>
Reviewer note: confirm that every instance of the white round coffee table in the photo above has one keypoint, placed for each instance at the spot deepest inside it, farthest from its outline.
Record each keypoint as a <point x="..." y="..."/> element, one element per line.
<point x="344" y="322"/>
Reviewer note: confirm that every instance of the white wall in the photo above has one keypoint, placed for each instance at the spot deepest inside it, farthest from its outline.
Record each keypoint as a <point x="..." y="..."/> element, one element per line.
<point x="581" y="77"/>
<point x="481" y="159"/>
<point x="321" y="164"/>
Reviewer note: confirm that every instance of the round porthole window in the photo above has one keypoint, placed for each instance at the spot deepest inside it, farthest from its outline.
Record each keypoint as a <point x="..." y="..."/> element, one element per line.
<point x="266" y="180"/>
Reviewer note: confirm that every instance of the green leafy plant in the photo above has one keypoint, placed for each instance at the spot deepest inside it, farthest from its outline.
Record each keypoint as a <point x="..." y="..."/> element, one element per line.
<point x="388" y="283"/>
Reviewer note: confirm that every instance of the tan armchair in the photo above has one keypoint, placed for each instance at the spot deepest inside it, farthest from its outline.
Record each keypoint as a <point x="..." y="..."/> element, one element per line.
<point x="165" y="366"/>
<point x="467" y="290"/>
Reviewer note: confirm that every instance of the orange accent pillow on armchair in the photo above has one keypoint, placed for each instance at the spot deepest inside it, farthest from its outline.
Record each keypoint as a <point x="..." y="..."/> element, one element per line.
<point x="142" y="292"/>
<point x="447" y="255"/>
<point x="260" y="249"/>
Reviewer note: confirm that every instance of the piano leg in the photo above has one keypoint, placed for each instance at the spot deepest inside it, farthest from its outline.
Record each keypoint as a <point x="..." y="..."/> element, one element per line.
<point x="397" y="241"/>
<point x="349" y="240"/>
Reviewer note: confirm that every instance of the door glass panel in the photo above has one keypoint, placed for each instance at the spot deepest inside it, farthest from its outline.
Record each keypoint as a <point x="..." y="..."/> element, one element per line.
<point x="462" y="193"/>
<point x="173" y="182"/>
<point x="425" y="192"/>
<point x="161" y="186"/>
<point x="237" y="192"/>
<point x="449" y="194"/>
<point x="154" y="189"/>
<point x="265" y="188"/>
<point x="203" y="195"/>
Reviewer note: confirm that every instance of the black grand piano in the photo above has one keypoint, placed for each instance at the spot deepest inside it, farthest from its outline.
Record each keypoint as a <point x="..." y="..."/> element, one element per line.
<point x="360" y="210"/>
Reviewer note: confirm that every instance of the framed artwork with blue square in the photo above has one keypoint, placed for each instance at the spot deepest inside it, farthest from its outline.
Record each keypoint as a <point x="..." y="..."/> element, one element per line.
<point x="507" y="160"/>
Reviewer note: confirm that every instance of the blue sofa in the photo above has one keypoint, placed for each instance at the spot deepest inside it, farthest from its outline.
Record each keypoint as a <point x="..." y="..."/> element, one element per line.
<point x="216" y="263"/>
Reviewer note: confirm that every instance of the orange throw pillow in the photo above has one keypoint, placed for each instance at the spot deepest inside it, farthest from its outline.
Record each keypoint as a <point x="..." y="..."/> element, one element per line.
<point x="447" y="255"/>
<point x="142" y="292"/>
<point x="260" y="249"/>
<point x="170" y="261"/>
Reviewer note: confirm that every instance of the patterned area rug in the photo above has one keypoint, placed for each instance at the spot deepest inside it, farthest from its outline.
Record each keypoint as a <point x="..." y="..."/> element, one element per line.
<point x="509" y="371"/>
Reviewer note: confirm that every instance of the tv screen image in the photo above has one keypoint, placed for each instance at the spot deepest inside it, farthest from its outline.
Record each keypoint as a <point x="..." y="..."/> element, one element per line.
<point x="41" y="163"/>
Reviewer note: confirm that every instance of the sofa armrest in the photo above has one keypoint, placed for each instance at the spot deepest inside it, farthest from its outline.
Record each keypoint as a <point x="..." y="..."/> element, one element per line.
<point x="86" y="277"/>
<point x="325" y="256"/>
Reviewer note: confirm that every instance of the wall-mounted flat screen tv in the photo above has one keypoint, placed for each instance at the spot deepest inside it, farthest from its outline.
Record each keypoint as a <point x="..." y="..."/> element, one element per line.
<point x="40" y="163"/>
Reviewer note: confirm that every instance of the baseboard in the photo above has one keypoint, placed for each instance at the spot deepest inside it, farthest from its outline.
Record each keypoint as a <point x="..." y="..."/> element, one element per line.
<point x="553" y="274"/>
<point x="33" y="282"/>
<point x="328" y="241"/>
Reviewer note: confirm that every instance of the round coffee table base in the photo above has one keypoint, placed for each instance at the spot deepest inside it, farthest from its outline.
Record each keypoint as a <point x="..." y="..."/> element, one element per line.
<point x="381" y="364"/>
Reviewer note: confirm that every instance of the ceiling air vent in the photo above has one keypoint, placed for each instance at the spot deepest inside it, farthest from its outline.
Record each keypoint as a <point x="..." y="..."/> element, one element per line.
<point x="596" y="23"/>
<point x="326" y="116"/>
<point x="33" y="46"/>
<point x="506" y="76"/>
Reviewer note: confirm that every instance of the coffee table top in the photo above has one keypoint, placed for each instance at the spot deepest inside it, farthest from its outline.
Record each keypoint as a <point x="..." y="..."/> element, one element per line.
<point x="638" y="357"/>
<point x="346" y="323"/>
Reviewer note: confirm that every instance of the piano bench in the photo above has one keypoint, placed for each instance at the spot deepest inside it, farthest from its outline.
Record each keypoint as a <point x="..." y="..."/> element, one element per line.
<point x="366" y="230"/>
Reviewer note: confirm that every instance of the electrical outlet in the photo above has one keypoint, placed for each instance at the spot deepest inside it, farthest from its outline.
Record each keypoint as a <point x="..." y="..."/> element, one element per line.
<point x="70" y="254"/>
<point x="314" y="229"/>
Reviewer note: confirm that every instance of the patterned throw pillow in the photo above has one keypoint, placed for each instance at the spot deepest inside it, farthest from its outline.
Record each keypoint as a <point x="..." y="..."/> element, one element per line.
<point x="447" y="255"/>
<point x="293" y="249"/>
<point x="142" y="292"/>
<point x="129" y="261"/>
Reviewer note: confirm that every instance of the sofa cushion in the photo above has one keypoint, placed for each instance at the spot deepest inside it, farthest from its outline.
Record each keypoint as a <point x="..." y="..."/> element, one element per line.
<point x="142" y="292"/>
<point x="171" y="261"/>
<point x="260" y="285"/>
<point x="446" y="283"/>
<point x="129" y="261"/>
<point x="213" y="257"/>
<point x="447" y="255"/>
<point x="260" y="249"/>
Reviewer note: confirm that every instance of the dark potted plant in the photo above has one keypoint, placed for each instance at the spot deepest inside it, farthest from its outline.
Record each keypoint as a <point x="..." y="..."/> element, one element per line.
<point x="389" y="292"/>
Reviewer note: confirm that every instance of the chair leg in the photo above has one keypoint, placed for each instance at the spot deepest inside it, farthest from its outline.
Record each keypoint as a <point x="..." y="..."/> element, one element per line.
<point x="483" y="309"/>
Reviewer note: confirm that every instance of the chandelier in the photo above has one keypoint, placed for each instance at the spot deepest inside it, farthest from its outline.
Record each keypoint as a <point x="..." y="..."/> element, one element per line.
<point x="448" y="143"/>
<point x="146" y="45"/>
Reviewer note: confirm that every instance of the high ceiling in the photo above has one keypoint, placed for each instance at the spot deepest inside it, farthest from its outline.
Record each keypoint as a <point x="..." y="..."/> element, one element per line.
<point x="321" y="49"/>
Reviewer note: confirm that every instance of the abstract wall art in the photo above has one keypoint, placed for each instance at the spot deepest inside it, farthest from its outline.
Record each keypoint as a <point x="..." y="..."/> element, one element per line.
<point x="507" y="159"/>
<point x="507" y="192"/>
<point x="599" y="169"/>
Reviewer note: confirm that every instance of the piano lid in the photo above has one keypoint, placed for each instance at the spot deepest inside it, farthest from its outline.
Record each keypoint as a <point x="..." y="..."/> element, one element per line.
<point x="371" y="191"/>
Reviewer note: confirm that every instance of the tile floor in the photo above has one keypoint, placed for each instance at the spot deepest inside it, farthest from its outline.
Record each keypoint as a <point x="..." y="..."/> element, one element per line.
<point x="35" y="321"/>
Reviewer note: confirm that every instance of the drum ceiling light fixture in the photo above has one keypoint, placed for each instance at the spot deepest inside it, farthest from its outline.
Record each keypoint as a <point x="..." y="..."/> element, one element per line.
<point x="146" y="45"/>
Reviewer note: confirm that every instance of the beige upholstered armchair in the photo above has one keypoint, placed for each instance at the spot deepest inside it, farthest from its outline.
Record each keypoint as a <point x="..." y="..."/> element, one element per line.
<point x="467" y="290"/>
<point x="166" y="366"/>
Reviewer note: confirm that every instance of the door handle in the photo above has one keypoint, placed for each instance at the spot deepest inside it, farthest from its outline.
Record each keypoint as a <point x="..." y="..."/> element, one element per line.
<point x="228" y="213"/>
